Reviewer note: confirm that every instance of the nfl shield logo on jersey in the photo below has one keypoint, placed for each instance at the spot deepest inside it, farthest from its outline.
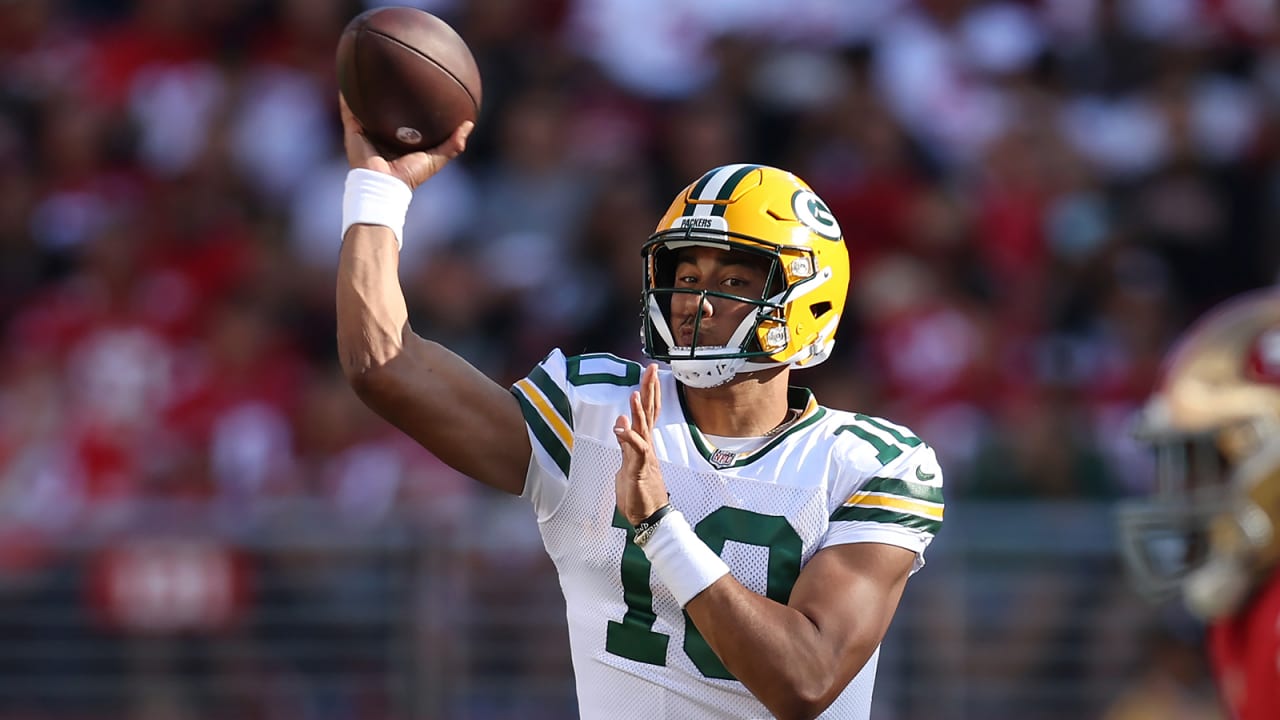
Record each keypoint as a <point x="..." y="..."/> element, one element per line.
<point x="723" y="458"/>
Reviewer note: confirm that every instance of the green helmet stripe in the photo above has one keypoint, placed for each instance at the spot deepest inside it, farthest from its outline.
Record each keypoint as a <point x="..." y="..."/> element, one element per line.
<point x="726" y="190"/>
<point x="696" y="192"/>
<point x="716" y="185"/>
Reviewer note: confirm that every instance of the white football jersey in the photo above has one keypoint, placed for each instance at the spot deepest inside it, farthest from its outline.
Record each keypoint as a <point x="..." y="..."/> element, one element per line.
<point x="831" y="477"/>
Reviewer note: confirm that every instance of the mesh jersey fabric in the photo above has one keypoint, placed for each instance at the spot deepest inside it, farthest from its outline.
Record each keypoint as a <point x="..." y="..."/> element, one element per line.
<point x="831" y="477"/>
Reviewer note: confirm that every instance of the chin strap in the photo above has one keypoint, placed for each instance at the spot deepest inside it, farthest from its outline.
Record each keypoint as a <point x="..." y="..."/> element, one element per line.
<point x="706" y="372"/>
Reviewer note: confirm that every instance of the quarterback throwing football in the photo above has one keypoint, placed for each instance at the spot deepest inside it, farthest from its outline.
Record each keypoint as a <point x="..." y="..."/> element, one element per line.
<point x="727" y="547"/>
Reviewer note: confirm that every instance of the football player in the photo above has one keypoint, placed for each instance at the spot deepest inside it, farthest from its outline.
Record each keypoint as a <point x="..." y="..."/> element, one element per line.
<point x="727" y="547"/>
<point x="1210" y="531"/>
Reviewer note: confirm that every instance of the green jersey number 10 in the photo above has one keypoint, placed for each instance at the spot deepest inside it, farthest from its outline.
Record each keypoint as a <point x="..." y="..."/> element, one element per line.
<point x="635" y="637"/>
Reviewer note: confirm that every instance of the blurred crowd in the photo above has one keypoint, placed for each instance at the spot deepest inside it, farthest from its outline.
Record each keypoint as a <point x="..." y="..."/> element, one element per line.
<point x="1037" y="195"/>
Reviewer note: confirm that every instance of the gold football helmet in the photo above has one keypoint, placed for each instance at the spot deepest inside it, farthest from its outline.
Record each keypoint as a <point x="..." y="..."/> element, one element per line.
<point x="773" y="215"/>
<point x="1211" y="531"/>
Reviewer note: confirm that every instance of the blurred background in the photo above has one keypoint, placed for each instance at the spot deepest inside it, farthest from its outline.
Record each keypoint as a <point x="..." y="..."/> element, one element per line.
<point x="198" y="520"/>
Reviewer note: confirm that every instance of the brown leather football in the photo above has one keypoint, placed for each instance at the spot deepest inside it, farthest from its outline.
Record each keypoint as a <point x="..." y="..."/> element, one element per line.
<point x="408" y="77"/>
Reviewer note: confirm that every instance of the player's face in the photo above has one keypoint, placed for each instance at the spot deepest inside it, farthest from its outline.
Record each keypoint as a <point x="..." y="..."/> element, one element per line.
<point x="713" y="318"/>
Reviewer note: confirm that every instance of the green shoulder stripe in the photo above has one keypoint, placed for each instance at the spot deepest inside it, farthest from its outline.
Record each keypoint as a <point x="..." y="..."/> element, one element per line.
<point x="546" y="437"/>
<point x="850" y="513"/>
<point x="902" y="488"/>
<point x="553" y="393"/>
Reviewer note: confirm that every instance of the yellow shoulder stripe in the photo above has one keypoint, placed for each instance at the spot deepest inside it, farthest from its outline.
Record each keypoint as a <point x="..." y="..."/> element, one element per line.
<point x="915" y="507"/>
<point x="548" y="413"/>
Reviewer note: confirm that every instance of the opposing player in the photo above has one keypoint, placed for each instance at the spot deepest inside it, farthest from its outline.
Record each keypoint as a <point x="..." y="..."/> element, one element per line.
<point x="1211" y="531"/>
<point x="727" y="547"/>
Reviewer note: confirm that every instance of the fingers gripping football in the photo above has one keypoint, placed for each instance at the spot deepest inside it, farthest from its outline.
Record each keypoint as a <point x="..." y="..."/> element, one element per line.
<point x="414" y="168"/>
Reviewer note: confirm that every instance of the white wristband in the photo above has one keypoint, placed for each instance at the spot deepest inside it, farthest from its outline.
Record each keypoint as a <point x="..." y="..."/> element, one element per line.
<point x="374" y="198"/>
<point x="681" y="560"/>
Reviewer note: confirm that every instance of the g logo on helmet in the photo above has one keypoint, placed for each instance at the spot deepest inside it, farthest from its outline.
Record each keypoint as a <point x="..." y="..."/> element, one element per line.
<point x="815" y="215"/>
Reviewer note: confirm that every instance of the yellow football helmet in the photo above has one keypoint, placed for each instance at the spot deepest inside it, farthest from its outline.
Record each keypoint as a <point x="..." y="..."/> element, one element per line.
<point x="1211" y="531"/>
<point x="774" y="215"/>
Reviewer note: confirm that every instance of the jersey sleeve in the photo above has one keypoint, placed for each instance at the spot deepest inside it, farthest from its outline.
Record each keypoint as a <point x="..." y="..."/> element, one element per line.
<point x="546" y="399"/>
<point x="899" y="503"/>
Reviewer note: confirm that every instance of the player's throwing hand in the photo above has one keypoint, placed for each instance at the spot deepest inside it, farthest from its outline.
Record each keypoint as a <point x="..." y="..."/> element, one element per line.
<point x="412" y="169"/>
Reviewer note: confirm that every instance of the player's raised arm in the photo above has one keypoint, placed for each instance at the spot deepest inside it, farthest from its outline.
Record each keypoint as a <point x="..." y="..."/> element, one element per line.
<point x="434" y="396"/>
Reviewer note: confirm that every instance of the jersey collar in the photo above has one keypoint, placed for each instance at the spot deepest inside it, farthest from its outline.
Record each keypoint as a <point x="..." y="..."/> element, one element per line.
<point x="798" y="398"/>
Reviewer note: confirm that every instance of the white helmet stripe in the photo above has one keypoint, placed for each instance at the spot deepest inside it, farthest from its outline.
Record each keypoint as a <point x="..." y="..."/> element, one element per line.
<point x="713" y="188"/>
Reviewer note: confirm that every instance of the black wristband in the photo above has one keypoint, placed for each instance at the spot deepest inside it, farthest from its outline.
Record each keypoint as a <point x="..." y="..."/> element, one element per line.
<point x="653" y="519"/>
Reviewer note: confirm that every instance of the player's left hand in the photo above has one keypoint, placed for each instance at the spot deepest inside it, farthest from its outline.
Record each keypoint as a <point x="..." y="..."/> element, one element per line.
<point x="639" y="485"/>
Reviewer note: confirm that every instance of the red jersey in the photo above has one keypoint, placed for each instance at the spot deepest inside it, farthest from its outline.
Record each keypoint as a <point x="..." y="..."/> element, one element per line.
<point x="1245" y="651"/>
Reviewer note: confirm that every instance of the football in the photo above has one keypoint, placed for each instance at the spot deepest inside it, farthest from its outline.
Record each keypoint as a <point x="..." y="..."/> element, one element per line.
<point x="408" y="77"/>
